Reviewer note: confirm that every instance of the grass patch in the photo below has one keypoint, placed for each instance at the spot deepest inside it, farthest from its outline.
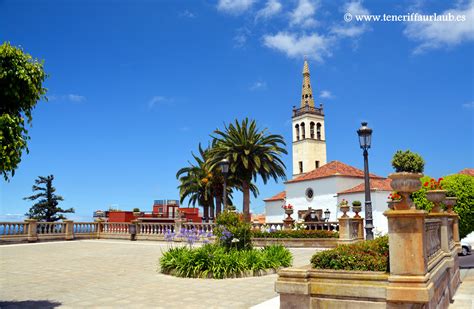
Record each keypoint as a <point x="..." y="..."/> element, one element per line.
<point x="370" y="255"/>
<point x="295" y="234"/>
<point x="214" y="261"/>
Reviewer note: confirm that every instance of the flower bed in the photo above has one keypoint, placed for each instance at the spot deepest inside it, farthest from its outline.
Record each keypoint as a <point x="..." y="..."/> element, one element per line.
<point x="295" y="234"/>
<point x="369" y="255"/>
<point x="218" y="262"/>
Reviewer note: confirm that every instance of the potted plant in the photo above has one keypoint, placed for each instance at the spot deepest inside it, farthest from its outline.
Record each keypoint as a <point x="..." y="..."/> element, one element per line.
<point x="450" y="201"/>
<point x="356" y="207"/>
<point x="435" y="193"/>
<point x="408" y="168"/>
<point x="136" y="212"/>
<point x="344" y="206"/>
<point x="288" y="209"/>
<point x="393" y="199"/>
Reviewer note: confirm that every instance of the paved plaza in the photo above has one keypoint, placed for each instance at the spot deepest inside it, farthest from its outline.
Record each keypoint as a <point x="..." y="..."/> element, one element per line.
<point x="108" y="273"/>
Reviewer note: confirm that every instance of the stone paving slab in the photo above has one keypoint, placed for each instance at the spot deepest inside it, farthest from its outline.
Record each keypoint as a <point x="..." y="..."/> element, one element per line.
<point x="109" y="273"/>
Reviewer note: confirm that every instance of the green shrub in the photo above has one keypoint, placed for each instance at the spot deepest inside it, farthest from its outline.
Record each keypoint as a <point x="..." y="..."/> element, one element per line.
<point x="460" y="186"/>
<point x="356" y="203"/>
<point x="407" y="161"/>
<point x="232" y="231"/>
<point x="295" y="234"/>
<point x="214" y="261"/>
<point x="136" y="209"/>
<point x="371" y="255"/>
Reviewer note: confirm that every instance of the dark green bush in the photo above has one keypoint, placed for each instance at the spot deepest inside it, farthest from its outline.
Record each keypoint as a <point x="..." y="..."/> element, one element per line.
<point x="232" y="231"/>
<point x="295" y="234"/>
<point x="407" y="161"/>
<point x="356" y="203"/>
<point x="136" y="209"/>
<point x="214" y="261"/>
<point x="371" y="255"/>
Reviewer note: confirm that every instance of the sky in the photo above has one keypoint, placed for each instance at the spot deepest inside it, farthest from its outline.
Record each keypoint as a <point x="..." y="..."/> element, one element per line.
<point x="135" y="86"/>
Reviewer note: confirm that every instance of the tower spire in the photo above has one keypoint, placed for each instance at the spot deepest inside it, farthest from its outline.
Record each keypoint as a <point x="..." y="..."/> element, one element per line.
<point x="307" y="92"/>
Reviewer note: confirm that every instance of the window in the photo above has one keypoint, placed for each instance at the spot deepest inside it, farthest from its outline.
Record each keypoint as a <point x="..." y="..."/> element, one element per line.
<point x="297" y="127"/>
<point x="311" y="129"/>
<point x="309" y="193"/>
<point x="318" y="130"/>
<point x="316" y="164"/>
<point x="301" y="166"/>
<point x="302" y="131"/>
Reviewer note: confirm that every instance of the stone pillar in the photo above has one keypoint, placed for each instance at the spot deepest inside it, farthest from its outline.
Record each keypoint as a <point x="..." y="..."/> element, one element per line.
<point x="456" y="238"/>
<point x="69" y="229"/>
<point x="178" y="224"/>
<point x="345" y="228"/>
<point x="100" y="227"/>
<point x="360" y="229"/>
<point x="408" y="261"/>
<point x="288" y="223"/>
<point x="32" y="231"/>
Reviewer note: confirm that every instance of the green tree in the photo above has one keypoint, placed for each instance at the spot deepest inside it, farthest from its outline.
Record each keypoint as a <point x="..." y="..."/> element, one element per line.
<point x="251" y="152"/>
<point x="21" y="87"/>
<point x="46" y="209"/>
<point x="461" y="186"/>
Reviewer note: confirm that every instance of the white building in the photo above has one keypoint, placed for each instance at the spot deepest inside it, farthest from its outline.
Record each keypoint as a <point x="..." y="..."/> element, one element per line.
<point x="319" y="185"/>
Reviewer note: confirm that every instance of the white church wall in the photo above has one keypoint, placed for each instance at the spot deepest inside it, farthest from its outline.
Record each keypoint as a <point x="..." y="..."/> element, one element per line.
<point x="379" y="205"/>
<point x="274" y="212"/>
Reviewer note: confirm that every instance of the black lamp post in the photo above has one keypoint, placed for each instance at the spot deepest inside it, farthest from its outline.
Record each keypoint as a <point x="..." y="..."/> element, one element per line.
<point x="224" y="165"/>
<point x="365" y="139"/>
<point x="327" y="213"/>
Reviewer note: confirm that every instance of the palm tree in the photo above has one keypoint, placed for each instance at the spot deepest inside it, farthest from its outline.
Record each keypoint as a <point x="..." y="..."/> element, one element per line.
<point x="251" y="152"/>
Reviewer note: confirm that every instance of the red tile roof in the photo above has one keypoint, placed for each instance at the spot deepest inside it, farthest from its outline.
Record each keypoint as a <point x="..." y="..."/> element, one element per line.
<point x="333" y="168"/>
<point x="467" y="171"/>
<point x="375" y="185"/>
<point x="278" y="197"/>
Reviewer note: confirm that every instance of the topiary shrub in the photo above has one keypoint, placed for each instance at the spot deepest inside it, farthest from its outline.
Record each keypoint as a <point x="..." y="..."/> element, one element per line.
<point x="295" y="234"/>
<point x="232" y="231"/>
<point x="369" y="255"/>
<point x="356" y="203"/>
<point x="136" y="209"/>
<point x="407" y="161"/>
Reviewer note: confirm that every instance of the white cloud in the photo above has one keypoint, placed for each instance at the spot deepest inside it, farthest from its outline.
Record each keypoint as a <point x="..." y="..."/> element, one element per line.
<point x="272" y="7"/>
<point x="326" y="94"/>
<point x="234" y="6"/>
<point x="158" y="100"/>
<point x="75" y="98"/>
<point x="258" y="85"/>
<point x="314" y="46"/>
<point x="438" y="34"/>
<point x="187" y="14"/>
<point x="302" y="15"/>
<point x="469" y="105"/>
<point x="241" y="37"/>
<point x="351" y="29"/>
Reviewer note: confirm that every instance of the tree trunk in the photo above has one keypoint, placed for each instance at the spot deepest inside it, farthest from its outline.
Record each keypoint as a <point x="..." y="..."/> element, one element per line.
<point x="212" y="209"/>
<point x="218" y="204"/>
<point x="246" y="201"/>
<point x="205" y="213"/>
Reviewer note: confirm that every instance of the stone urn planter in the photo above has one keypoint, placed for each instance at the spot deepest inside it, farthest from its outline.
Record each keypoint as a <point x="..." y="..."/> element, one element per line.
<point x="357" y="209"/>
<point x="393" y="204"/>
<point x="344" y="209"/>
<point x="288" y="212"/>
<point x="450" y="202"/>
<point x="436" y="197"/>
<point x="405" y="183"/>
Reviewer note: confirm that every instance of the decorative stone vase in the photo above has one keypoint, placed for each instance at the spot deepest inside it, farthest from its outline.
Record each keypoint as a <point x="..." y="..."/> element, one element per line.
<point x="436" y="197"/>
<point x="450" y="202"/>
<point x="393" y="204"/>
<point x="357" y="209"/>
<point x="344" y="210"/>
<point x="405" y="183"/>
<point x="289" y="212"/>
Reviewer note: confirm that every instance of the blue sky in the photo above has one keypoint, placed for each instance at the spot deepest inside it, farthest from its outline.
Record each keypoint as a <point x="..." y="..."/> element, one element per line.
<point x="134" y="86"/>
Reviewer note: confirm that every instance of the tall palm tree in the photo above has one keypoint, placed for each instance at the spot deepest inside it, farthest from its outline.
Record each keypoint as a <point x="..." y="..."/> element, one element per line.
<point x="251" y="152"/>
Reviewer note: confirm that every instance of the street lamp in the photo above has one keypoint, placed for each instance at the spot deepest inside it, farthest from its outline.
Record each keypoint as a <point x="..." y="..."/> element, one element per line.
<point x="365" y="139"/>
<point x="327" y="213"/>
<point x="224" y="165"/>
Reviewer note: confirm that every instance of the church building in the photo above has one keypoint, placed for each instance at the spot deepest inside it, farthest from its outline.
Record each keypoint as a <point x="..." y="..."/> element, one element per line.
<point x="316" y="183"/>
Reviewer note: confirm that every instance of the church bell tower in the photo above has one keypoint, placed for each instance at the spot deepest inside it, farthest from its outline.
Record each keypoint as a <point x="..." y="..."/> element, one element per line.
<point x="309" y="138"/>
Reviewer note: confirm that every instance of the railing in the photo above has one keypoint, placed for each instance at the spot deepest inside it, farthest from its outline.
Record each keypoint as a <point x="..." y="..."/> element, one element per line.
<point x="51" y="228"/>
<point x="451" y="241"/>
<point x="328" y="226"/>
<point x="200" y="227"/>
<point x="154" y="228"/>
<point x="433" y="238"/>
<point x="307" y="110"/>
<point x="115" y="228"/>
<point x="13" y="229"/>
<point x="85" y="227"/>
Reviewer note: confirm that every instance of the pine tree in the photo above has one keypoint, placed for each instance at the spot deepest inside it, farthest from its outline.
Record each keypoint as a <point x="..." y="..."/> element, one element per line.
<point x="46" y="209"/>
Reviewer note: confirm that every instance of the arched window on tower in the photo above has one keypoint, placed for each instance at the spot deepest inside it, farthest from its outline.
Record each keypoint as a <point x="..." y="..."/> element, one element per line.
<point x="303" y="133"/>
<point x="311" y="129"/>
<point x="297" y="128"/>
<point x="318" y="131"/>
